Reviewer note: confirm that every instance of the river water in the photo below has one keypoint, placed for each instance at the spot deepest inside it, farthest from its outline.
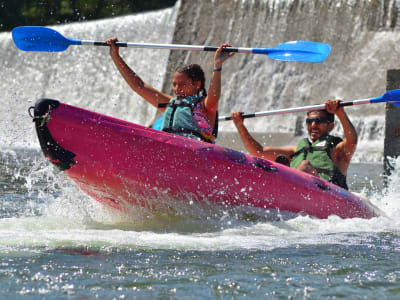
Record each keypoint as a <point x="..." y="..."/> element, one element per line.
<point x="57" y="243"/>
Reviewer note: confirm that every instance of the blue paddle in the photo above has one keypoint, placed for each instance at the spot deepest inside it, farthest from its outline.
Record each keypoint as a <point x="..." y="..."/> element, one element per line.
<point x="392" y="96"/>
<point x="37" y="38"/>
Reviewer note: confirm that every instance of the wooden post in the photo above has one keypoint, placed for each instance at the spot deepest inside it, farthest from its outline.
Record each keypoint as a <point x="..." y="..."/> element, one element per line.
<point x="392" y="125"/>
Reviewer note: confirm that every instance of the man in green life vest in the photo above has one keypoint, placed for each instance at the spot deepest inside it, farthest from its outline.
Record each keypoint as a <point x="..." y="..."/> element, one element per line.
<point x="321" y="154"/>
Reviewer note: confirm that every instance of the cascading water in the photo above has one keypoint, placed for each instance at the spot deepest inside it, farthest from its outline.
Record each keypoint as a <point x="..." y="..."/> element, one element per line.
<point x="82" y="75"/>
<point x="364" y="39"/>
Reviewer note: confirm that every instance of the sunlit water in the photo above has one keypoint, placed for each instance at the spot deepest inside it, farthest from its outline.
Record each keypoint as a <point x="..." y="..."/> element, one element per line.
<point x="56" y="242"/>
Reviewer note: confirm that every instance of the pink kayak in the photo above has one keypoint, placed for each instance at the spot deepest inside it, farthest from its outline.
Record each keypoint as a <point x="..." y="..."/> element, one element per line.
<point x="124" y="165"/>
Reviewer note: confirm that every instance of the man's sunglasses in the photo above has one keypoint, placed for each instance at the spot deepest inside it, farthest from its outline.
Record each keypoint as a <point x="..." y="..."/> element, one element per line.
<point x="309" y="121"/>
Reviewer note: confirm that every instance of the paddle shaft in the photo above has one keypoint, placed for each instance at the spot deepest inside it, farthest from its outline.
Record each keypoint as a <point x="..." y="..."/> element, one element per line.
<point x="170" y="46"/>
<point x="192" y="47"/>
<point x="296" y="109"/>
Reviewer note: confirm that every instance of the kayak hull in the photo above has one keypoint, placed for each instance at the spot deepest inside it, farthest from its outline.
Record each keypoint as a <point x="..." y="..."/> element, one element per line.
<point x="124" y="165"/>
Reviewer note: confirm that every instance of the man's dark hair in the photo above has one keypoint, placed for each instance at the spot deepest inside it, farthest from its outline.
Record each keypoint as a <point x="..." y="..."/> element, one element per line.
<point x="329" y="116"/>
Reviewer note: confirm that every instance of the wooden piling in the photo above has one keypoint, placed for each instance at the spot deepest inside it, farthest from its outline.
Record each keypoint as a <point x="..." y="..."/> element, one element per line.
<point x="392" y="125"/>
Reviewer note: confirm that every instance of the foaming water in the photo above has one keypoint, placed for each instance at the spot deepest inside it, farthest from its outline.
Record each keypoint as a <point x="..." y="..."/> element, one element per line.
<point x="56" y="241"/>
<point x="42" y="208"/>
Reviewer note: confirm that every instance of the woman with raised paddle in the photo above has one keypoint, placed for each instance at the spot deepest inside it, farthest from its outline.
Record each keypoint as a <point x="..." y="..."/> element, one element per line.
<point x="321" y="154"/>
<point x="192" y="112"/>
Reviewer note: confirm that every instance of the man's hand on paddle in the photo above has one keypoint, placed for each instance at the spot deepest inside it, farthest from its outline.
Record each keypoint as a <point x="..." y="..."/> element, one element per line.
<point x="332" y="106"/>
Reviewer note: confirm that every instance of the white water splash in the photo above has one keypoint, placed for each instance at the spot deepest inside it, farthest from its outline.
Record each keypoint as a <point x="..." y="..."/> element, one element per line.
<point x="82" y="75"/>
<point x="66" y="216"/>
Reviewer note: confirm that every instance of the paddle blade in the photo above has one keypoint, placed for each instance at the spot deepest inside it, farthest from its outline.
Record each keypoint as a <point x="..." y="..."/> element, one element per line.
<point x="304" y="51"/>
<point x="393" y="97"/>
<point x="36" y="38"/>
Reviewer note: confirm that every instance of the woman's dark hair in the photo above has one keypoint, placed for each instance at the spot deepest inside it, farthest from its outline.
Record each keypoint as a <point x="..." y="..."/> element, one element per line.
<point x="196" y="73"/>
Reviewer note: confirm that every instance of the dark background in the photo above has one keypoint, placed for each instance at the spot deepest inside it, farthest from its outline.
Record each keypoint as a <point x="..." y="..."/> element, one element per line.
<point x="50" y="12"/>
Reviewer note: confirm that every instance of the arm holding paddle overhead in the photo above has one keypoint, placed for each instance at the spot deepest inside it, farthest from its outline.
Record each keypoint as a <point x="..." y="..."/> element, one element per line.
<point x="343" y="152"/>
<point x="180" y="86"/>
<point x="320" y="122"/>
<point x="321" y="154"/>
<point x="214" y="91"/>
<point x="325" y="155"/>
<point x="191" y="112"/>
<point x="150" y="94"/>
<point x="254" y="147"/>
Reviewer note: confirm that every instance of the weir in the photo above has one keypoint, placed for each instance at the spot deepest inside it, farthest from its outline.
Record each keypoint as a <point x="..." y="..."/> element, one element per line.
<point x="364" y="39"/>
<point x="84" y="76"/>
<point x="364" y="36"/>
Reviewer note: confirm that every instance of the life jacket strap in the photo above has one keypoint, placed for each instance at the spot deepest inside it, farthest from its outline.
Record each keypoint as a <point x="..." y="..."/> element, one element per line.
<point x="180" y="102"/>
<point x="308" y="149"/>
<point x="202" y="135"/>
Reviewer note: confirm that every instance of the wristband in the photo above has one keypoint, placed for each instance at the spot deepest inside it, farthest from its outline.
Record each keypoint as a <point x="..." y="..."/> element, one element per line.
<point x="217" y="70"/>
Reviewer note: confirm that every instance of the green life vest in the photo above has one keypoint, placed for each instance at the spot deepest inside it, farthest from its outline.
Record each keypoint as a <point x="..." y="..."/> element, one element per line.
<point x="178" y="119"/>
<point x="318" y="153"/>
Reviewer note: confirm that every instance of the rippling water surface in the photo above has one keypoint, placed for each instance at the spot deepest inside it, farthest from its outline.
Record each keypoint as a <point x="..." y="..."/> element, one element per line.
<point x="56" y="243"/>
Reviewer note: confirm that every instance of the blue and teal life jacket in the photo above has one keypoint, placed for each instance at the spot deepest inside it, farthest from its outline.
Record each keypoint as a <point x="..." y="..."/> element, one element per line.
<point x="186" y="117"/>
<point x="318" y="153"/>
